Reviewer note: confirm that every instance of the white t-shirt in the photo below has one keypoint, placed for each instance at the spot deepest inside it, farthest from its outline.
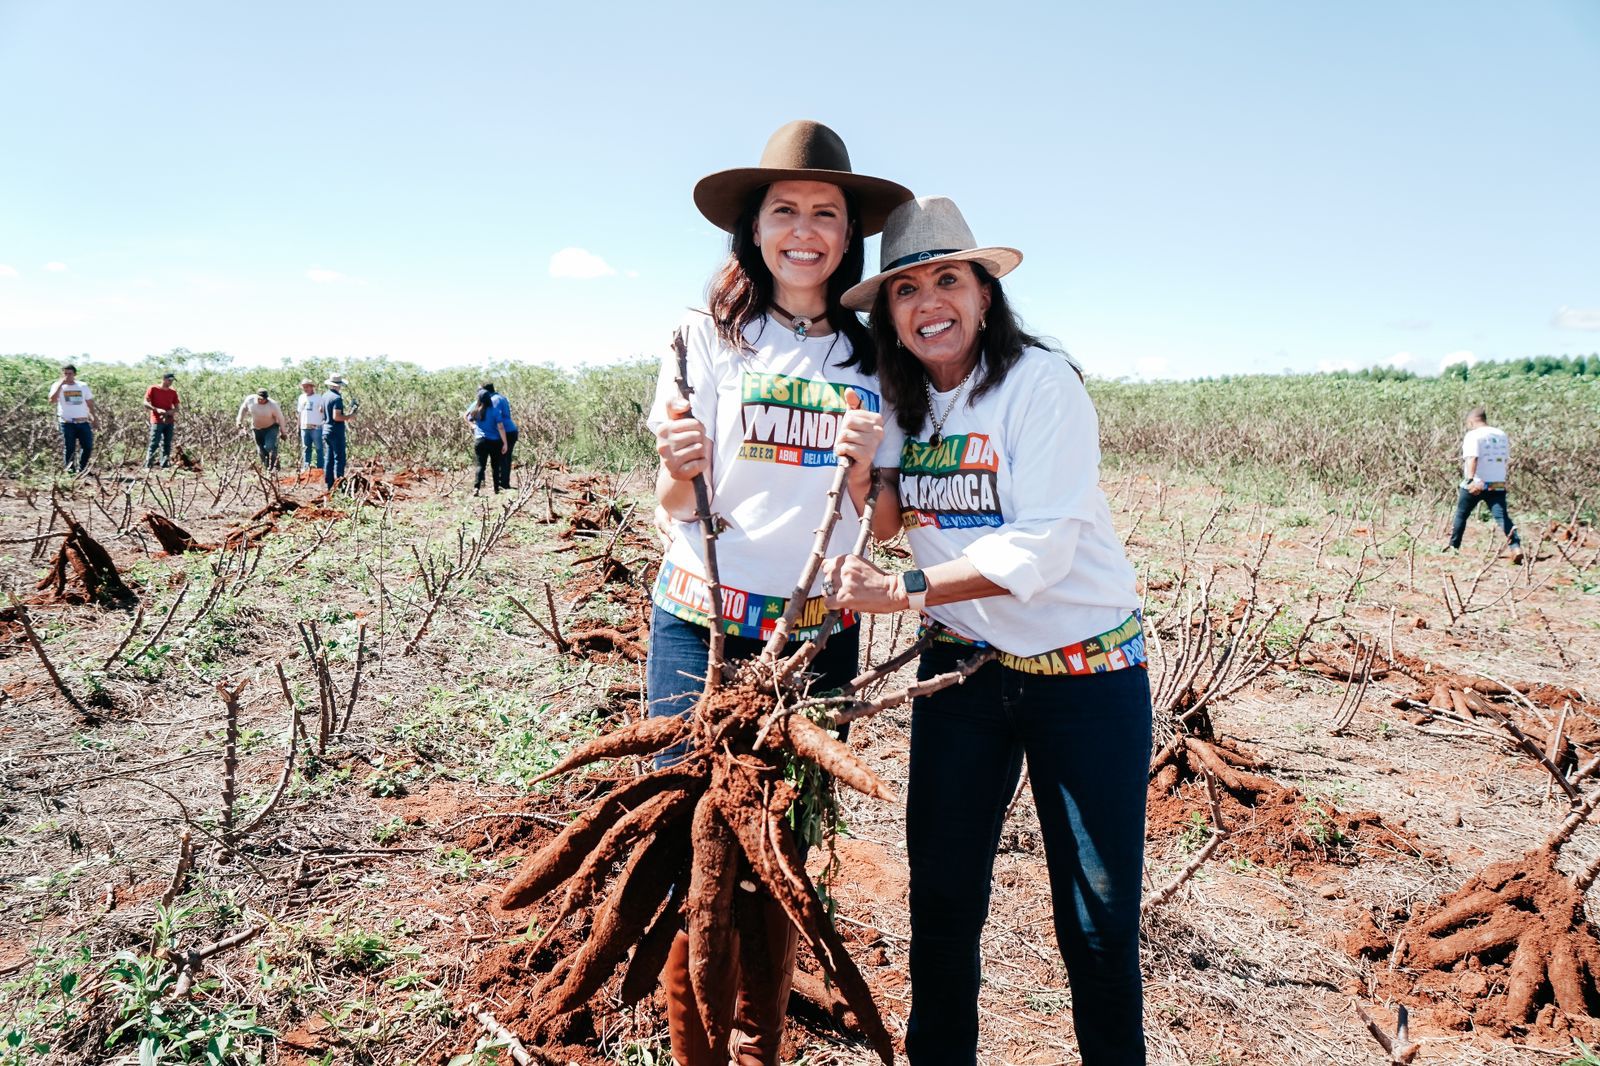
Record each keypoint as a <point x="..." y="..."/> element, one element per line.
<point x="1491" y="447"/>
<point x="772" y="415"/>
<point x="311" y="410"/>
<point x="1014" y="487"/>
<point x="73" y="401"/>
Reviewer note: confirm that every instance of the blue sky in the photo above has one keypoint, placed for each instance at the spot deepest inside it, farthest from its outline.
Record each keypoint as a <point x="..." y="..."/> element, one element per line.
<point x="1198" y="188"/>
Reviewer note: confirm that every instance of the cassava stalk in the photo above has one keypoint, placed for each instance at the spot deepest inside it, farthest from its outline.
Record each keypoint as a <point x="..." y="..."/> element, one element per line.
<point x="708" y="534"/>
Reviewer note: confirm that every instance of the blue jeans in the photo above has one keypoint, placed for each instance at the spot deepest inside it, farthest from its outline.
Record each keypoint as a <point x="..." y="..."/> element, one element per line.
<point x="1087" y="742"/>
<point x="334" y="446"/>
<point x="267" y="446"/>
<point x="76" y="437"/>
<point x="160" y="437"/>
<point x="310" y="443"/>
<point x="676" y="668"/>
<point x="1466" y="503"/>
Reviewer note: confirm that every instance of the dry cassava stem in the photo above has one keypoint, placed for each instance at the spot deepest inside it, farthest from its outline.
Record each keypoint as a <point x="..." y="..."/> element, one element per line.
<point x="230" y="755"/>
<point x="138" y="620"/>
<point x="813" y="647"/>
<point x="519" y="1053"/>
<point x="819" y="549"/>
<point x="889" y="665"/>
<point x="49" y="667"/>
<point x="355" y="684"/>
<point x="708" y="534"/>
<point x="854" y="709"/>
<point x="1219" y="833"/>
<point x="180" y="871"/>
<point x="553" y="633"/>
<point x="288" y="768"/>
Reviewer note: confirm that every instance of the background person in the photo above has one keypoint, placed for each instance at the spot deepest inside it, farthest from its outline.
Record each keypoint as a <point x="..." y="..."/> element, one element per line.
<point x="508" y="443"/>
<point x="162" y="403"/>
<point x="76" y="412"/>
<point x="334" y="441"/>
<point x="312" y="412"/>
<point x="998" y="491"/>
<point x="775" y="350"/>
<point x="1485" y="459"/>
<point x="489" y="435"/>
<point x="266" y="423"/>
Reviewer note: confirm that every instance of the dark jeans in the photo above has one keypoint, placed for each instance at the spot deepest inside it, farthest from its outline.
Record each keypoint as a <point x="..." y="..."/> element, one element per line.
<point x="1466" y="503"/>
<point x="333" y="465"/>
<point x="310" y="444"/>
<point x="487" y="452"/>
<point x="76" y="437"/>
<point x="160" y="436"/>
<point x="1087" y="742"/>
<point x="502" y="463"/>
<point x="676" y="668"/>
<point x="267" y="446"/>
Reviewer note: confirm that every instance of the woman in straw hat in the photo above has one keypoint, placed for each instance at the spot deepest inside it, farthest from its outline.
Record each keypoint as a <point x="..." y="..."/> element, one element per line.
<point x="783" y="388"/>
<point x="1015" y="552"/>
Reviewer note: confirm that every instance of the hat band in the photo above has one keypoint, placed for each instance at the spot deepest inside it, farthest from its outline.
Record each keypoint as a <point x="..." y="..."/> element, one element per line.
<point x="917" y="257"/>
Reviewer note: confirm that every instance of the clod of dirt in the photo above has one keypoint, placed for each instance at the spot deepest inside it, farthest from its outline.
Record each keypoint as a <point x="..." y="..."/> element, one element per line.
<point x="82" y="572"/>
<point x="174" y="539"/>
<point x="1513" y="948"/>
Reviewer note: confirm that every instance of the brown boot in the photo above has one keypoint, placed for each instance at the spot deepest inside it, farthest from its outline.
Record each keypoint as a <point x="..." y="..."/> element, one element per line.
<point x="689" y="1044"/>
<point x="766" y="972"/>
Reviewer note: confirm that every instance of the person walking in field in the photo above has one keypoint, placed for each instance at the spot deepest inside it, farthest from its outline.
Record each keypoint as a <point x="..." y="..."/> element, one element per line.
<point x="162" y="403"/>
<point x="1485" y="459"/>
<point x="492" y="437"/>
<point x="74" y="402"/>
<point x="334" y="441"/>
<point x="998" y="493"/>
<point x="312" y="410"/>
<point x="784" y="388"/>
<point x="266" y="422"/>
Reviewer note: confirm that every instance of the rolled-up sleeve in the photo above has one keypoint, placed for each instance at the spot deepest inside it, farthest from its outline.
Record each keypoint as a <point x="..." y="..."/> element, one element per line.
<point x="703" y="397"/>
<point x="1054" y="467"/>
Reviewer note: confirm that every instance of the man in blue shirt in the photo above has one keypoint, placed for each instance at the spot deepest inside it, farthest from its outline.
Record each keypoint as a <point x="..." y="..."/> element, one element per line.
<point x="333" y="431"/>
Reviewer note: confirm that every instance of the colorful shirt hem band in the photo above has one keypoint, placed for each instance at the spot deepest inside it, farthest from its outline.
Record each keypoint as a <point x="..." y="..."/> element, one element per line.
<point x="1116" y="649"/>
<point x="684" y="595"/>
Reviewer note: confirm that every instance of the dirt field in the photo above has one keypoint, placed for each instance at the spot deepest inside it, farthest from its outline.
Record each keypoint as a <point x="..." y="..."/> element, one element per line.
<point x="1356" y="697"/>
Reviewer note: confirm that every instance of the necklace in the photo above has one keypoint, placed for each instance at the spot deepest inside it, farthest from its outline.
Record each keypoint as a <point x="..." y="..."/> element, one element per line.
<point x="933" y="406"/>
<point x="799" y="323"/>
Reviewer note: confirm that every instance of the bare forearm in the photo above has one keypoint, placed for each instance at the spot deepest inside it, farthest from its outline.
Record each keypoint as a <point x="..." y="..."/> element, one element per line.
<point x="958" y="580"/>
<point x="676" y="497"/>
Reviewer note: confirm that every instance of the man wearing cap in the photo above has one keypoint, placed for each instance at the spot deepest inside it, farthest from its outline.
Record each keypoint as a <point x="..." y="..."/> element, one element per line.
<point x="266" y="421"/>
<point x="312" y="411"/>
<point x="335" y="415"/>
<point x="162" y="403"/>
<point x="76" y="412"/>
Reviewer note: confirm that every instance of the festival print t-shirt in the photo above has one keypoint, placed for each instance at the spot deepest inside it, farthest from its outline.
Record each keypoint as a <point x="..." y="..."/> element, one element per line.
<point x="72" y="402"/>
<point x="1492" y="448"/>
<point x="1012" y="485"/>
<point x="773" y="415"/>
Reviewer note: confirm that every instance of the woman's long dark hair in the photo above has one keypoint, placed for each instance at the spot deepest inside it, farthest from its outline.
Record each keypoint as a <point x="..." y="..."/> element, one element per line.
<point x="904" y="381"/>
<point x="742" y="289"/>
<point x="485" y="398"/>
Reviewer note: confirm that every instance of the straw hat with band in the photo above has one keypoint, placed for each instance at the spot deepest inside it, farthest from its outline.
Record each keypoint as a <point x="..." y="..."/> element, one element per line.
<point x="928" y="229"/>
<point x="802" y="150"/>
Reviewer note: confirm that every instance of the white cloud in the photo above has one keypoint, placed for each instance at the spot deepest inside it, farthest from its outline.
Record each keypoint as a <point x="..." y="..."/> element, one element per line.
<point x="324" y="276"/>
<point x="578" y="263"/>
<point x="56" y="267"/>
<point x="8" y="271"/>
<point x="1575" y="318"/>
<point x="1401" y="360"/>
<point x="1458" y="357"/>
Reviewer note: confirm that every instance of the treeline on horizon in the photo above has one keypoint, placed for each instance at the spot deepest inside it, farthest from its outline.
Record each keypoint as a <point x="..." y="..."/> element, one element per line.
<point x="1380" y="430"/>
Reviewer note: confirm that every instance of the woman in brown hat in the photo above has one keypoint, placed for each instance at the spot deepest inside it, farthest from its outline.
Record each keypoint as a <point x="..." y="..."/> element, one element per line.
<point x="783" y="388"/>
<point x="998" y="490"/>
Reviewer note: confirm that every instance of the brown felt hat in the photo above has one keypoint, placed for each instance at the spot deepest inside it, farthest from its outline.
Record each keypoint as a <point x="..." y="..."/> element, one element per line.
<point x="802" y="150"/>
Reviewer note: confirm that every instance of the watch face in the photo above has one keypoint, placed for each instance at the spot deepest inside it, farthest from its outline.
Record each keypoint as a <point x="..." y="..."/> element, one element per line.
<point x="915" y="582"/>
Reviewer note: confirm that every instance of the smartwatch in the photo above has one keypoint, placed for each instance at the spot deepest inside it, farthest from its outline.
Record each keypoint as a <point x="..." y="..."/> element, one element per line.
<point x="916" y="586"/>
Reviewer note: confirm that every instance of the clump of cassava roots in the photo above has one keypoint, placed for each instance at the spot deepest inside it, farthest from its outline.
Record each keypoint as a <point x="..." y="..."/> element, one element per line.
<point x="686" y="845"/>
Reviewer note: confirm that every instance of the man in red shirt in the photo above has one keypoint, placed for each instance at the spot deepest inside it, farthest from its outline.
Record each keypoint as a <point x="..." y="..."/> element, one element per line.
<point x="162" y="403"/>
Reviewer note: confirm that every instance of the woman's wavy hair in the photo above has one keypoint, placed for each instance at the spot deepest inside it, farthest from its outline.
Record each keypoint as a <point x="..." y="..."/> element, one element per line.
<point x="742" y="289"/>
<point x="485" y="399"/>
<point x="1001" y="345"/>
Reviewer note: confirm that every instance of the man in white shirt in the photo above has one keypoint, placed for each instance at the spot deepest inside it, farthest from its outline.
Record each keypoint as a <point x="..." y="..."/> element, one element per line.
<point x="1485" y="458"/>
<point x="266" y="421"/>
<point x="75" y="410"/>
<point x="313" y="413"/>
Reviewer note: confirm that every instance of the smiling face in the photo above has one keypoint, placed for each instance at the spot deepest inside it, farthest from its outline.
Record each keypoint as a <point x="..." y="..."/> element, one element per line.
<point x="938" y="310"/>
<point x="802" y="230"/>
